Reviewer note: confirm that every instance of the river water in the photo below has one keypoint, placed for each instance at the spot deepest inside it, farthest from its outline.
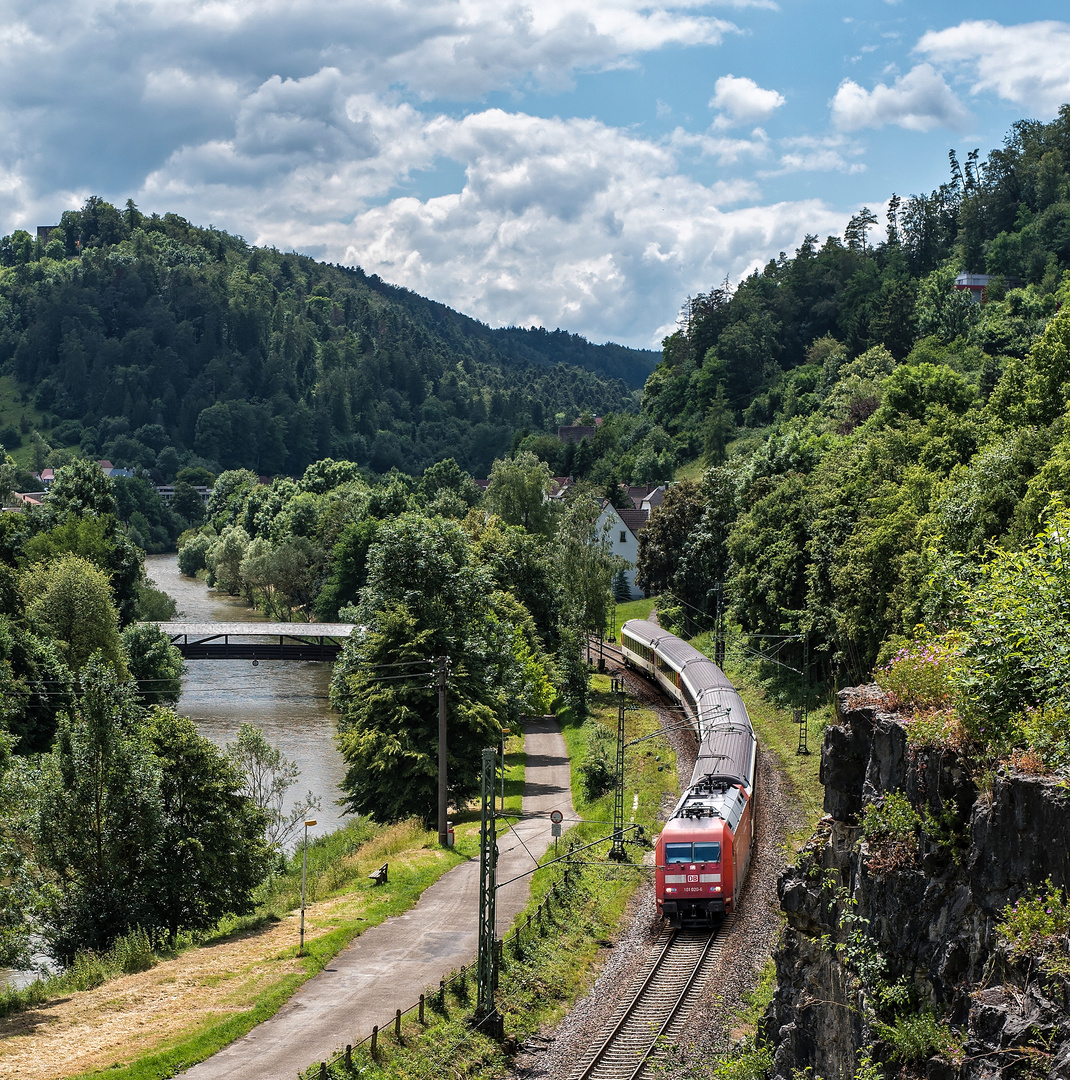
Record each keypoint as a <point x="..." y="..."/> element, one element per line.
<point x="287" y="699"/>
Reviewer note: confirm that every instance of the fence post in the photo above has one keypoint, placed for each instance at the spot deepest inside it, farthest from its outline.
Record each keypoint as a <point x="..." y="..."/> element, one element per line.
<point x="323" y="1070"/>
<point x="349" y="1056"/>
<point x="421" y="1008"/>
<point x="375" y="1041"/>
<point x="397" y="1025"/>
<point x="441" y="993"/>
<point x="516" y="942"/>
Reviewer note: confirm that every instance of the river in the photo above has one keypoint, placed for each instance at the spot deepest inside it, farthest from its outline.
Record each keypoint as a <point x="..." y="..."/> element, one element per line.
<point x="287" y="699"/>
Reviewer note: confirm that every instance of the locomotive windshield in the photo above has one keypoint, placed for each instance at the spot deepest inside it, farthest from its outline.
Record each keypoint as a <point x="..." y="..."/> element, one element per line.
<point x="703" y="852"/>
<point x="677" y="853"/>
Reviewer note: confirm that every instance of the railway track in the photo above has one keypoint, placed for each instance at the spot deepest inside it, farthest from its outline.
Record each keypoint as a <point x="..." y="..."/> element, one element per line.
<point x="658" y="1008"/>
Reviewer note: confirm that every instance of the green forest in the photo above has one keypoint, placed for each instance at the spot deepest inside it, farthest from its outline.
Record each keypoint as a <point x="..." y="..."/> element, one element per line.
<point x="156" y="344"/>
<point x="857" y="433"/>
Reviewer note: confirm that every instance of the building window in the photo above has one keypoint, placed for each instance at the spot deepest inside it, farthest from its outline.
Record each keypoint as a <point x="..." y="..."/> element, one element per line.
<point x="623" y="536"/>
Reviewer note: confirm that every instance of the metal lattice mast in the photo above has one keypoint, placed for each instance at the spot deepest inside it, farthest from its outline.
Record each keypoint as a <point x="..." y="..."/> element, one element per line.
<point x="486" y="963"/>
<point x="617" y="850"/>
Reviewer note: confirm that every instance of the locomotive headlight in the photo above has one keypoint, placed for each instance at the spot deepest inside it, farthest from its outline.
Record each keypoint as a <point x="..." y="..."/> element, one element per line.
<point x="717" y="888"/>
<point x="670" y="888"/>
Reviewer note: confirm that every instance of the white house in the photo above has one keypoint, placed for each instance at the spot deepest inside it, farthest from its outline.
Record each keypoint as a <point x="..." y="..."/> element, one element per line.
<point x="622" y="529"/>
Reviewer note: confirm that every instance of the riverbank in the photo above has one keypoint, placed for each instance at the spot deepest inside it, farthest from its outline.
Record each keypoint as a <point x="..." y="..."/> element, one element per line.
<point x="150" y="1024"/>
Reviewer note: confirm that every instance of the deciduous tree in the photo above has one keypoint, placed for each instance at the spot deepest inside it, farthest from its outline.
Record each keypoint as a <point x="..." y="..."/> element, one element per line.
<point x="99" y="818"/>
<point x="211" y="851"/>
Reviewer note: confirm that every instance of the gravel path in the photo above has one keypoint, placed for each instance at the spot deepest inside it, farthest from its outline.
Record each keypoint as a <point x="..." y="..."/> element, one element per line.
<point x="710" y="1030"/>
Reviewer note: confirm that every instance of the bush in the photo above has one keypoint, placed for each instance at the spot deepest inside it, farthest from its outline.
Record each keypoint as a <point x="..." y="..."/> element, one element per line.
<point x="1037" y="928"/>
<point x="597" y="772"/>
<point x="745" y="1062"/>
<point x="920" y="674"/>
<point x="891" y="826"/>
<point x="920" y="1036"/>
<point x="1042" y="731"/>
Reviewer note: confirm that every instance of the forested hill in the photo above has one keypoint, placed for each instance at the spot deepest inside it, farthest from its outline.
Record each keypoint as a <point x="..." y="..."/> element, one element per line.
<point x="869" y="431"/>
<point x="885" y="283"/>
<point x="141" y="335"/>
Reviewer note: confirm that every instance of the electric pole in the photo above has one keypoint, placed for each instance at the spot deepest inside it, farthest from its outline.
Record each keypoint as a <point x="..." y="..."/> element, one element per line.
<point x="443" y="669"/>
<point x="719" y="634"/>
<point x="617" y="850"/>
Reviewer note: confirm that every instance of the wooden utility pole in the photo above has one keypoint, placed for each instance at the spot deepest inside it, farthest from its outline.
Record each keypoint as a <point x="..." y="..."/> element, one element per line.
<point x="443" y="669"/>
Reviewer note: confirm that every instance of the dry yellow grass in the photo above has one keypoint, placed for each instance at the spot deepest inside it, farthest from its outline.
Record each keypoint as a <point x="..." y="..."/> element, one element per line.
<point x="154" y="1010"/>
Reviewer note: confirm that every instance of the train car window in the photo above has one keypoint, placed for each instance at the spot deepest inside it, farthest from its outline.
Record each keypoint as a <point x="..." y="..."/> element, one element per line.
<point x="707" y="852"/>
<point x="677" y="853"/>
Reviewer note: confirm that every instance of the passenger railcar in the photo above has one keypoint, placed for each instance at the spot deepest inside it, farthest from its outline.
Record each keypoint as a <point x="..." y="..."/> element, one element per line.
<point x="704" y="851"/>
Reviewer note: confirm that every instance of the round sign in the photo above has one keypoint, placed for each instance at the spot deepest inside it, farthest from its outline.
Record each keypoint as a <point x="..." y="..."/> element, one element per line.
<point x="557" y="817"/>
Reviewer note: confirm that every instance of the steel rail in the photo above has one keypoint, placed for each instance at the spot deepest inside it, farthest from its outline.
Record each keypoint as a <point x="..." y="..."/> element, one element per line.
<point x="646" y="995"/>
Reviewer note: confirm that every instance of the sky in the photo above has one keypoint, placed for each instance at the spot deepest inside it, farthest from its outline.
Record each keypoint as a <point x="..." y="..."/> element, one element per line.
<point x="583" y="164"/>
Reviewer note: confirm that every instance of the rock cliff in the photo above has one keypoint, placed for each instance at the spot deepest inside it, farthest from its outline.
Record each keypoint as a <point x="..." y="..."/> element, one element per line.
<point x="890" y="957"/>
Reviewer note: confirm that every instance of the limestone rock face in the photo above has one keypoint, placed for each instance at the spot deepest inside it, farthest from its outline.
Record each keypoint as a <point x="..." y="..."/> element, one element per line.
<point x="864" y="915"/>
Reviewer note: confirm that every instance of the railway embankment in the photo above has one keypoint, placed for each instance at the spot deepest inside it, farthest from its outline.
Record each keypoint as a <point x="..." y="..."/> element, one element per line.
<point x="926" y="918"/>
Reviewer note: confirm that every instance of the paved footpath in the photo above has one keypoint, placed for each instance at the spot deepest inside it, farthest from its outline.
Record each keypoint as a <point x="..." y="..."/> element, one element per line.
<point x="390" y="965"/>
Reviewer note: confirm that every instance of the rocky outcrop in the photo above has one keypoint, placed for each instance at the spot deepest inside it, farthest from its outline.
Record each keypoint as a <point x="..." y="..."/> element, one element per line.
<point x="886" y="927"/>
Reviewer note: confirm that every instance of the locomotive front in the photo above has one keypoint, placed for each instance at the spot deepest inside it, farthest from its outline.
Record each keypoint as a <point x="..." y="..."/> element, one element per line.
<point x="694" y="871"/>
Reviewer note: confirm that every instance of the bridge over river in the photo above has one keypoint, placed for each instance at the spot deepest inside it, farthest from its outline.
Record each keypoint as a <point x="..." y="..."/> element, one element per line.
<point x="257" y="640"/>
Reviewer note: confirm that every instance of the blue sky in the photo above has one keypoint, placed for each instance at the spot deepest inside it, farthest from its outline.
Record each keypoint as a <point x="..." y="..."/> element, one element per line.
<point x="577" y="163"/>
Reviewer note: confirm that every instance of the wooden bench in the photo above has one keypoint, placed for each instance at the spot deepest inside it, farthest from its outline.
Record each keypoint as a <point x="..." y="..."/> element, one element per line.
<point x="379" y="876"/>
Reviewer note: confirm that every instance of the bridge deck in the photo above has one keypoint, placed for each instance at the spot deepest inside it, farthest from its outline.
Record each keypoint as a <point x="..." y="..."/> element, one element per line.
<point x="293" y="641"/>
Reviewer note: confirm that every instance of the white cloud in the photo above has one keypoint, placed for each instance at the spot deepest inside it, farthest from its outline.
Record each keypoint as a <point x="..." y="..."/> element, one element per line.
<point x="828" y="153"/>
<point x="310" y="126"/>
<point x="918" y="101"/>
<point x="727" y="151"/>
<point x="1028" y="64"/>
<point x="743" y="101"/>
<point x="559" y="222"/>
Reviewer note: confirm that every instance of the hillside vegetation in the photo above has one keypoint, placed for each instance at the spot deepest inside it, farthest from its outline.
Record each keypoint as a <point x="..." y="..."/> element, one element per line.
<point x="159" y="344"/>
<point x="867" y="430"/>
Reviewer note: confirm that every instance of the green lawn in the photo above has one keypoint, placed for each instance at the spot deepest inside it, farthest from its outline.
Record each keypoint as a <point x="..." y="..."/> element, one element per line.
<point x="634" y="609"/>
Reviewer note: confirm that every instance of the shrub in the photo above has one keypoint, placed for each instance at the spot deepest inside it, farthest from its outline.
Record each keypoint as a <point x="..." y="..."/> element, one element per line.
<point x="920" y="674"/>
<point x="746" y="1061"/>
<point x="940" y="729"/>
<point x="1036" y="928"/>
<point x="920" y="1036"/>
<point x="891" y="826"/>
<point x="1042" y="733"/>
<point x="597" y="771"/>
